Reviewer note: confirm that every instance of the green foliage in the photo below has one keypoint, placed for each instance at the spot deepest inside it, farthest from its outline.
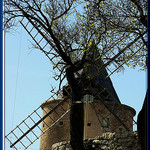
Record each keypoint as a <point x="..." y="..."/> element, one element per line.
<point x="73" y="25"/>
<point x="121" y="19"/>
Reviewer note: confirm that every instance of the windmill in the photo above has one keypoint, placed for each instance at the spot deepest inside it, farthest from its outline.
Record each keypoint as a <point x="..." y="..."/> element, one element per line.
<point x="35" y="30"/>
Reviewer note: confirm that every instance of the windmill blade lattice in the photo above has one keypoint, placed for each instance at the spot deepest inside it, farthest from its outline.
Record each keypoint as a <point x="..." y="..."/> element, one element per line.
<point x="31" y="126"/>
<point x="111" y="110"/>
<point x="41" y="38"/>
<point x="14" y="138"/>
<point x="113" y="58"/>
<point x="100" y="93"/>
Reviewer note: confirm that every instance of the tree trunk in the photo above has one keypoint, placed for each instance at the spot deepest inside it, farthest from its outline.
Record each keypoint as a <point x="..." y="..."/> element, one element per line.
<point x="76" y="126"/>
<point x="142" y="125"/>
<point x="76" y="112"/>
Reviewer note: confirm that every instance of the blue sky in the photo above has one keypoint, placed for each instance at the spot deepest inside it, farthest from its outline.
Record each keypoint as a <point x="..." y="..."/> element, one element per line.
<point x="28" y="78"/>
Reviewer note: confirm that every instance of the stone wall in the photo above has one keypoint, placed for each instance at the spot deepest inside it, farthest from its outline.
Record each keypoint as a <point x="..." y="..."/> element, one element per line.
<point x="108" y="141"/>
<point x="99" y="121"/>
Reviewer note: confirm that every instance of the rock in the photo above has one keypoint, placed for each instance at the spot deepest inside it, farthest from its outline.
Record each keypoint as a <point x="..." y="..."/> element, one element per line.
<point x="62" y="147"/>
<point x="121" y="140"/>
<point x="108" y="141"/>
<point x="104" y="147"/>
<point x="96" y="141"/>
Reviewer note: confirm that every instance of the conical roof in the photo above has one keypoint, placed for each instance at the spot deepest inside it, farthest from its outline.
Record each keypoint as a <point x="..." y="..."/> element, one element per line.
<point x="105" y="83"/>
<point x="101" y="78"/>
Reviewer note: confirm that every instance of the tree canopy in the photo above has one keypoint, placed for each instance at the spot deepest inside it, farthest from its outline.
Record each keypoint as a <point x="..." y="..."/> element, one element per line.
<point x="114" y="25"/>
<point x="123" y="21"/>
<point x="75" y="30"/>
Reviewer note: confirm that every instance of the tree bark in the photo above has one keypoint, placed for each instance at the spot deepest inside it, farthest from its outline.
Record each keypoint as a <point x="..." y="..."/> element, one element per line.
<point x="76" y="112"/>
<point x="76" y="126"/>
<point x="142" y="125"/>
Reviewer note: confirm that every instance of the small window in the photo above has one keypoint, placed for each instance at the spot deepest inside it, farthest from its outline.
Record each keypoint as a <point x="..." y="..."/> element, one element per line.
<point x="61" y="123"/>
<point x="90" y="97"/>
<point x="120" y="129"/>
<point x="89" y="124"/>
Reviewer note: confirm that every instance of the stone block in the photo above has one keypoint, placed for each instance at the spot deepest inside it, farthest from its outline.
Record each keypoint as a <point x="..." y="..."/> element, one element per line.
<point x="108" y="141"/>
<point x="96" y="141"/>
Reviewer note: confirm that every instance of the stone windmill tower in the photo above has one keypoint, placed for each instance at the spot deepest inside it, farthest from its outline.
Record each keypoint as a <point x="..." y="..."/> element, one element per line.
<point x="103" y="109"/>
<point x="100" y="96"/>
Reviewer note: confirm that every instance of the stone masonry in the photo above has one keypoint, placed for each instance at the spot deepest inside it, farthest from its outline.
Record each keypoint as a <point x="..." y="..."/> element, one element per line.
<point x="95" y="124"/>
<point x="108" y="141"/>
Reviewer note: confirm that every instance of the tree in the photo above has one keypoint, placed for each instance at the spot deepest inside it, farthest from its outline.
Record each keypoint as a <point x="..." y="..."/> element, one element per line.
<point x="129" y="16"/>
<point x="52" y="16"/>
<point x="123" y="20"/>
<point x="72" y="28"/>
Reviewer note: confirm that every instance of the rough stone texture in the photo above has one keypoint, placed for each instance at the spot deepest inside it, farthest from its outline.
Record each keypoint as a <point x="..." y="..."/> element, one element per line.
<point x="108" y="141"/>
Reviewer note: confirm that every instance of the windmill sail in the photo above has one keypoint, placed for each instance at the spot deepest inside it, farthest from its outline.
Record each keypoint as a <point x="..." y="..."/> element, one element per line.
<point x="102" y="91"/>
<point x="31" y="126"/>
<point x="39" y="35"/>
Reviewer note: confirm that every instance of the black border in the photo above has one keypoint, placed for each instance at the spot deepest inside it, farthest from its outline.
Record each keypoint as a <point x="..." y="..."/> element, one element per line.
<point x="1" y="75"/>
<point x="148" y="10"/>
